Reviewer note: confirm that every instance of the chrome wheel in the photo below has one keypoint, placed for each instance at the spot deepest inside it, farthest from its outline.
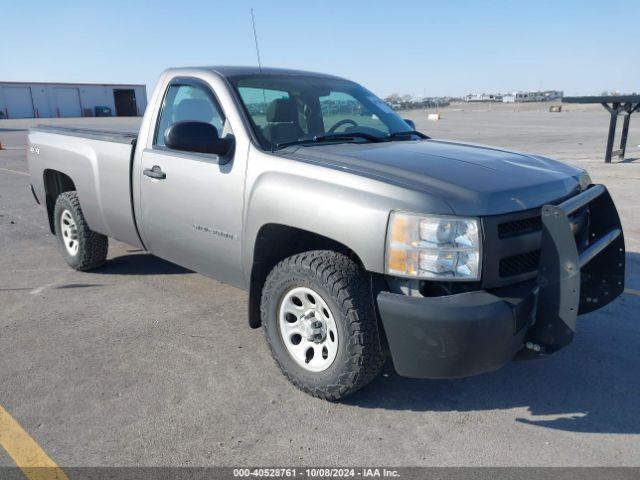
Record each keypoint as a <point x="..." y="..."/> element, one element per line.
<point x="308" y="329"/>
<point x="69" y="233"/>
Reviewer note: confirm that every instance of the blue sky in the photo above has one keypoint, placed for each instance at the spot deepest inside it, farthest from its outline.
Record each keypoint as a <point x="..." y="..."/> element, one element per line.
<point x="417" y="47"/>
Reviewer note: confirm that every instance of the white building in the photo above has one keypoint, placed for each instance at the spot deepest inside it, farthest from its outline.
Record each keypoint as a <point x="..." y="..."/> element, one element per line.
<point x="538" y="96"/>
<point x="42" y="100"/>
<point x="483" y="97"/>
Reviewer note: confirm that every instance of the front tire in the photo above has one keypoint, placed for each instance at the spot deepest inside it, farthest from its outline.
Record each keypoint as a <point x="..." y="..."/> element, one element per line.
<point x="319" y="322"/>
<point x="82" y="248"/>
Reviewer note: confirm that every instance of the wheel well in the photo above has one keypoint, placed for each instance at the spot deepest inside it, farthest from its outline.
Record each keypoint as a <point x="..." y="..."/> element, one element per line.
<point x="276" y="242"/>
<point x="55" y="183"/>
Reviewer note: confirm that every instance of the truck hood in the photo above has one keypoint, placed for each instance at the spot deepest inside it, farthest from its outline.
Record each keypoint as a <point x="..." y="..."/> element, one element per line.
<point x="471" y="179"/>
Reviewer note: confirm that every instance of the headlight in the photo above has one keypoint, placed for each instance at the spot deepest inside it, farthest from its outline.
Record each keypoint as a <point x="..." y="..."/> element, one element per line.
<point x="585" y="180"/>
<point x="433" y="247"/>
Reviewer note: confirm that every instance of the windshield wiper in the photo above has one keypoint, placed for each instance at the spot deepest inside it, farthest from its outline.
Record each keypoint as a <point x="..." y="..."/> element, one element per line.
<point x="333" y="136"/>
<point x="395" y="135"/>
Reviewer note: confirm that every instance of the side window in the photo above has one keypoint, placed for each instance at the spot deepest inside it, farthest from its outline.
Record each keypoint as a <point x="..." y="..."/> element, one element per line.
<point x="184" y="102"/>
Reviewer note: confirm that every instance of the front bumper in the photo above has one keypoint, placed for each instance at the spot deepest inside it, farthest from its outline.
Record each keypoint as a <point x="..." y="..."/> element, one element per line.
<point x="475" y="332"/>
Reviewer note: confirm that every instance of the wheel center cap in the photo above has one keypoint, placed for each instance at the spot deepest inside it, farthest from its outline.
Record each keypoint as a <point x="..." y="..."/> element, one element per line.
<point x="314" y="329"/>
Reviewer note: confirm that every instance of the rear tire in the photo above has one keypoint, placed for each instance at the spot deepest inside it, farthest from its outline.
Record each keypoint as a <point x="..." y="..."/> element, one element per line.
<point x="320" y="324"/>
<point x="82" y="248"/>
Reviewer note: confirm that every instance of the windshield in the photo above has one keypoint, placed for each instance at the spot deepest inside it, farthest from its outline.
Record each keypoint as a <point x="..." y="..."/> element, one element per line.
<point x="286" y="109"/>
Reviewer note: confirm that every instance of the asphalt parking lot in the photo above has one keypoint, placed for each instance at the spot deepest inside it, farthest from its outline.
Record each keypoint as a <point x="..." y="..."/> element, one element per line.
<point x="145" y="363"/>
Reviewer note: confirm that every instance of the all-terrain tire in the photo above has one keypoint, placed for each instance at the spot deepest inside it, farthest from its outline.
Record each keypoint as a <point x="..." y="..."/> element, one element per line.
<point x="91" y="246"/>
<point x="346" y="289"/>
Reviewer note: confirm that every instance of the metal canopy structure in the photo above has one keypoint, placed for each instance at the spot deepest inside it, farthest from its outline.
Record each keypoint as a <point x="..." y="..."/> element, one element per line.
<point x="615" y="105"/>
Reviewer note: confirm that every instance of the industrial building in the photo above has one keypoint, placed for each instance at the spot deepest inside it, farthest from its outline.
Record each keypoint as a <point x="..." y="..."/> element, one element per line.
<point x="46" y="100"/>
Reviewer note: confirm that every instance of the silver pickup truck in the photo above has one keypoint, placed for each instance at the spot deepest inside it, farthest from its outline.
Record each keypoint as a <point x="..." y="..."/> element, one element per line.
<point x="355" y="235"/>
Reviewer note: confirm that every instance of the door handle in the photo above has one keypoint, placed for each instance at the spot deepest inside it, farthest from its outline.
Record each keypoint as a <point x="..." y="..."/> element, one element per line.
<point x="155" y="172"/>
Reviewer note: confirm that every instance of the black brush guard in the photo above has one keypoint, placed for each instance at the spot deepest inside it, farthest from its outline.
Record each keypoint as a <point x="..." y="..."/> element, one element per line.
<point x="572" y="282"/>
<point x="469" y="333"/>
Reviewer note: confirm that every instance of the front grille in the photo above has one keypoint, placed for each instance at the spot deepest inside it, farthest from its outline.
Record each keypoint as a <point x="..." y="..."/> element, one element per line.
<point x="512" y="245"/>
<point x="519" y="227"/>
<point x="519" y="264"/>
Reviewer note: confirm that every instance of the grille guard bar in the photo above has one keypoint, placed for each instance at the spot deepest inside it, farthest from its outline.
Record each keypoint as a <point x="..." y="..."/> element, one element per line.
<point x="572" y="282"/>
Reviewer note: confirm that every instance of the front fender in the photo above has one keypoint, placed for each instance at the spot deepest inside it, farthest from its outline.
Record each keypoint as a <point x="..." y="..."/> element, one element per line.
<point x="341" y="206"/>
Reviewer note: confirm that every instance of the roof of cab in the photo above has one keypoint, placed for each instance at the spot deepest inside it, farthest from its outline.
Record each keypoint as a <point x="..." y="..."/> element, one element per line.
<point x="232" y="71"/>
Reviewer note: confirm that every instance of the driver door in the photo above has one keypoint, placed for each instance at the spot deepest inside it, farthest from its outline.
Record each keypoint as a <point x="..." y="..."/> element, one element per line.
<point x="191" y="207"/>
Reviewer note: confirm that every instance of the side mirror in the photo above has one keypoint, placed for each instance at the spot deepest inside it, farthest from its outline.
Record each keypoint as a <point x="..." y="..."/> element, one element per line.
<point x="200" y="137"/>
<point x="411" y="123"/>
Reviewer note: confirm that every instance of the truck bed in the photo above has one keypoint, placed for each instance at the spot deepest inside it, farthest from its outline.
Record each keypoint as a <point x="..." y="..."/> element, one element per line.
<point x="98" y="162"/>
<point x="121" y="135"/>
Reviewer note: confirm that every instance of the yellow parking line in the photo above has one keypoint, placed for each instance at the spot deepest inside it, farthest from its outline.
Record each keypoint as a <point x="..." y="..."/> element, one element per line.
<point x="25" y="452"/>
<point x="631" y="291"/>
